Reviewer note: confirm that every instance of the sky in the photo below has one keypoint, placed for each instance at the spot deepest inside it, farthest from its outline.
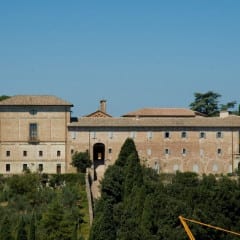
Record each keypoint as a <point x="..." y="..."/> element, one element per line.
<point x="133" y="53"/>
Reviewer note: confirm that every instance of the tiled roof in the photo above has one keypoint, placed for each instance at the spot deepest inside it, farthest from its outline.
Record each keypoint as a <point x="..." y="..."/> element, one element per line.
<point x="162" y="112"/>
<point x="231" y="121"/>
<point x="34" y="100"/>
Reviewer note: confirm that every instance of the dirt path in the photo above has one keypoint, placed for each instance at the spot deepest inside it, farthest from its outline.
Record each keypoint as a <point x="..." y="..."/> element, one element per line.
<point x="95" y="188"/>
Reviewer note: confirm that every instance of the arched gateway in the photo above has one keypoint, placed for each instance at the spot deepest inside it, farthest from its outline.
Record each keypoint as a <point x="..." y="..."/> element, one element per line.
<point x="98" y="154"/>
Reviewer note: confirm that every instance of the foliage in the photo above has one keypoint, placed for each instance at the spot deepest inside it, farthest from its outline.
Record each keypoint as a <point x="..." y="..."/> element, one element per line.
<point x="3" y="97"/>
<point x="5" y="232"/>
<point x="208" y="103"/>
<point x="137" y="203"/>
<point x="81" y="161"/>
<point x="127" y="148"/>
<point x="43" y="207"/>
<point x="22" y="233"/>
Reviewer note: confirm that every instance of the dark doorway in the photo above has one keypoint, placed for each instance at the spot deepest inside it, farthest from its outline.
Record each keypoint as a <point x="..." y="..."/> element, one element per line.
<point x="58" y="170"/>
<point x="98" y="154"/>
<point x="98" y="157"/>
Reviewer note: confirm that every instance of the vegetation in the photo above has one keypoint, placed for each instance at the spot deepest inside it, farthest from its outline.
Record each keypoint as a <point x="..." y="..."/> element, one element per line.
<point x="43" y="207"/>
<point x="3" y="97"/>
<point x="137" y="203"/>
<point x="208" y="103"/>
<point x="81" y="161"/>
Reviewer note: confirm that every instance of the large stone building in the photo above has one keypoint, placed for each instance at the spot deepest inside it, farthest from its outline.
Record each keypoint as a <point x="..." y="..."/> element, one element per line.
<point x="33" y="134"/>
<point x="37" y="132"/>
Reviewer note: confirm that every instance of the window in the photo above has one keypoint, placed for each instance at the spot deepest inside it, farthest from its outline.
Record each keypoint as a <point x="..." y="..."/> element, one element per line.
<point x="202" y="135"/>
<point x="8" y="153"/>
<point x="184" y="151"/>
<point x="24" y="153"/>
<point x="133" y="135"/>
<point x="40" y="153"/>
<point x="110" y="150"/>
<point x="156" y="167"/>
<point x="167" y="151"/>
<point x="110" y="135"/>
<point x="93" y="135"/>
<point x="184" y="134"/>
<point x="72" y="151"/>
<point x="149" y="135"/>
<point x="195" y="168"/>
<point x="58" y="153"/>
<point x="33" y="135"/>
<point x="219" y="151"/>
<point x="58" y="170"/>
<point x="8" y="167"/>
<point x="40" y="167"/>
<point x="25" y="167"/>
<point x="219" y="135"/>
<point x="73" y="135"/>
<point x="149" y="152"/>
<point x="175" y="167"/>
<point x="167" y="135"/>
<point x="215" y="168"/>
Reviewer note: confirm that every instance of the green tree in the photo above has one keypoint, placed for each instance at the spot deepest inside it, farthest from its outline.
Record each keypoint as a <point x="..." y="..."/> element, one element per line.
<point x="103" y="227"/>
<point x="228" y="105"/>
<point x="22" y="233"/>
<point x="206" y="103"/>
<point x="55" y="218"/>
<point x="133" y="174"/>
<point x="126" y="150"/>
<point x="32" y="228"/>
<point x="3" y="97"/>
<point x="81" y="161"/>
<point x="5" y="232"/>
<point x="112" y="184"/>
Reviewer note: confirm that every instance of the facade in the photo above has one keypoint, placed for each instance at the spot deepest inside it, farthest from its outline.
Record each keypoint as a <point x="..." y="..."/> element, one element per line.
<point x="33" y="134"/>
<point x="37" y="132"/>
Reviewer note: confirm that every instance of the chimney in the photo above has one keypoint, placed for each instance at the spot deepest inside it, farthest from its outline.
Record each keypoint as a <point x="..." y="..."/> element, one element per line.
<point x="224" y="114"/>
<point x="103" y="105"/>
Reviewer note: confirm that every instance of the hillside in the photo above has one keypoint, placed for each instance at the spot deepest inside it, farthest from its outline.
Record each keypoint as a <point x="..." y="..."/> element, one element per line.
<point x="43" y="207"/>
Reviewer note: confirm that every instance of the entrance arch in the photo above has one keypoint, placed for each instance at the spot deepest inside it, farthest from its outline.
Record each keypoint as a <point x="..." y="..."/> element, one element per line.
<point x="98" y="154"/>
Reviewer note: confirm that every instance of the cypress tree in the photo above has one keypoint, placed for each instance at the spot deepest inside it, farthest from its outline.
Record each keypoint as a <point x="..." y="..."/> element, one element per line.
<point x="126" y="150"/>
<point x="32" y="228"/>
<point x="103" y="226"/>
<point x="133" y="174"/>
<point x="22" y="233"/>
<point x="5" y="232"/>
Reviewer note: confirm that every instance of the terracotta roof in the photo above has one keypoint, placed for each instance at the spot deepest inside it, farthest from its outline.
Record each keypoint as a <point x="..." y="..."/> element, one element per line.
<point x="162" y="112"/>
<point x="231" y="121"/>
<point x="34" y="100"/>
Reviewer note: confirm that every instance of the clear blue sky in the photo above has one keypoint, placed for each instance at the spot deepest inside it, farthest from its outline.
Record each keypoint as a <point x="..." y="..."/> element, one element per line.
<point x="132" y="53"/>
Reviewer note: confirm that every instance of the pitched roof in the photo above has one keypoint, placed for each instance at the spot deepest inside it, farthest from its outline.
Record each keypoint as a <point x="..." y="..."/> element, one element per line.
<point x="98" y="114"/>
<point x="34" y="100"/>
<point x="208" y="122"/>
<point x="162" y="112"/>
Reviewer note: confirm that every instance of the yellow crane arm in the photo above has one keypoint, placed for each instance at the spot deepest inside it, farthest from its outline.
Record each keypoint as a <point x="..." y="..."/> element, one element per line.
<point x="189" y="233"/>
<point x="187" y="229"/>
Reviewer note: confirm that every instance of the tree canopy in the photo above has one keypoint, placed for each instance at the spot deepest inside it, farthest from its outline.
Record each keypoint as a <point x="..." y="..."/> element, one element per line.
<point x="137" y="203"/>
<point x="208" y="103"/>
<point x="3" y="97"/>
<point x="81" y="161"/>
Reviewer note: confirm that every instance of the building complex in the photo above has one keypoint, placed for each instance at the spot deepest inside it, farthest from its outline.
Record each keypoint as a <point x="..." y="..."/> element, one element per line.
<point x="38" y="133"/>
